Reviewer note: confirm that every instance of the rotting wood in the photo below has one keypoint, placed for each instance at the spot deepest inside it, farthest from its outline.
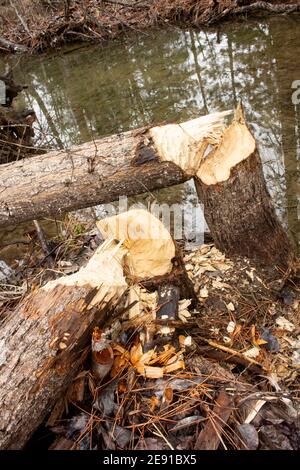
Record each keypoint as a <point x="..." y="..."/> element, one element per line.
<point x="211" y="435"/>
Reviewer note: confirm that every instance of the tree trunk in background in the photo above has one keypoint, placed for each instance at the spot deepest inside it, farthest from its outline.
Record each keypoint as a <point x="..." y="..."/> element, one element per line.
<point x="288" y="65"/>
<point x="237" y="206"/>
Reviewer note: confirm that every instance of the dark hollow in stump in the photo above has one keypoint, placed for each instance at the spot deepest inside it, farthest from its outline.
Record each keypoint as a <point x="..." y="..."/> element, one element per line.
<point x="237" y="206"/>
<point x="177" y="279"/>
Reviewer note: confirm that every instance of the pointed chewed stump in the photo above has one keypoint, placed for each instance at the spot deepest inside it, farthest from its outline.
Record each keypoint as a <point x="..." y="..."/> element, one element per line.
<point x="237" y="206"/>
<point x="228" y="175"/>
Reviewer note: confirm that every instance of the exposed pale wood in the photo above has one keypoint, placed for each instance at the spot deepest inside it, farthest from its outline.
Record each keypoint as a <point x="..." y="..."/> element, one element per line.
<point x="237" y="206"/>
<point x="99" y="171"/>
<point x="211" y="435"/>
<point x="44" y="342"/>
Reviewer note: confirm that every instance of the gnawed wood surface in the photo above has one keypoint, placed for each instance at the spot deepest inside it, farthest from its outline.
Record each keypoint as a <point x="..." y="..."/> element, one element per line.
<point x="46" y="339"/>
<point x="37" y="370"/>
<point x="237" y="205"/>
<point x="95" y="172"/>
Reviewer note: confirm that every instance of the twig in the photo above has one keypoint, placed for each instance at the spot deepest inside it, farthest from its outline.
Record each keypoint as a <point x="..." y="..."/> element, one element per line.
<point x="43" y="242"/>
<point x="244" y="360"/>
<point x="159" y="434"/>
<point x="23" y="22"/>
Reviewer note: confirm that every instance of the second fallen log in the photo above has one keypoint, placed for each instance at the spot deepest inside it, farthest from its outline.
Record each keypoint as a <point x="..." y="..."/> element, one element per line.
<point x="44" y="341"/>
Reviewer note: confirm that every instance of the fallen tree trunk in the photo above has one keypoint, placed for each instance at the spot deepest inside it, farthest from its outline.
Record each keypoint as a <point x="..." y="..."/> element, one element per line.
<point x="44" y="342"/>
<point x="93" y="173"/>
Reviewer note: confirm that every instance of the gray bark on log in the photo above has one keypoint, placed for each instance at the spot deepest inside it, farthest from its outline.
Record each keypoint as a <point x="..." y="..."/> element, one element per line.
<point x="44" y="341"/>
<point x="93" y="173"/>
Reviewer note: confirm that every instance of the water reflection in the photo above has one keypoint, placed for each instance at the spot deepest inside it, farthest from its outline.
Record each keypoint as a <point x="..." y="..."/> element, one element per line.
<point x="176" y="75"/>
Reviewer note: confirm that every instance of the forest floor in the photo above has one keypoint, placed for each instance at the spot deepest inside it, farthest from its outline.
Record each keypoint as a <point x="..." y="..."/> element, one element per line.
<point x="235" y="382"/>
<point x="35" y="26"/>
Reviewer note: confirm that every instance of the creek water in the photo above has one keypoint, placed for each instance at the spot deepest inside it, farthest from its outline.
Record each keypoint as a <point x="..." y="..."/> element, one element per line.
<point x="172" y="75"/>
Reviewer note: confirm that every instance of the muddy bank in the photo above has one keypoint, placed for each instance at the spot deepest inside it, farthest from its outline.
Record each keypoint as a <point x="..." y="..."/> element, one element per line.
<point x="35" y="26"/>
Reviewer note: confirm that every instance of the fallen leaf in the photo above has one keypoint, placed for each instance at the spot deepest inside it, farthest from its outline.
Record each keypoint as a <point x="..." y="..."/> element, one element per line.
<point x="285" y="324"/>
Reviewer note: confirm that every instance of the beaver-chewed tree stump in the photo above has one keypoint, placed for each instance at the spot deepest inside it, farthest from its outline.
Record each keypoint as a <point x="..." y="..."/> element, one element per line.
<point x="46" y="339"/>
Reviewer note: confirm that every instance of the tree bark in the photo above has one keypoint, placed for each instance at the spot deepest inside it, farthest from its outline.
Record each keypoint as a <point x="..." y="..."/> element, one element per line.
<point x="44" y="342"/>
<point x="237" y="206"/>
<point x="93" y="173"/>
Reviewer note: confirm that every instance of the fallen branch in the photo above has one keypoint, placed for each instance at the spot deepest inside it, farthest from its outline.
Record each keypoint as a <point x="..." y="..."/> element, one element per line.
<point x="270" y="7"/>
<point x="232" y="354"/>
<point x="10" y="46"/>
